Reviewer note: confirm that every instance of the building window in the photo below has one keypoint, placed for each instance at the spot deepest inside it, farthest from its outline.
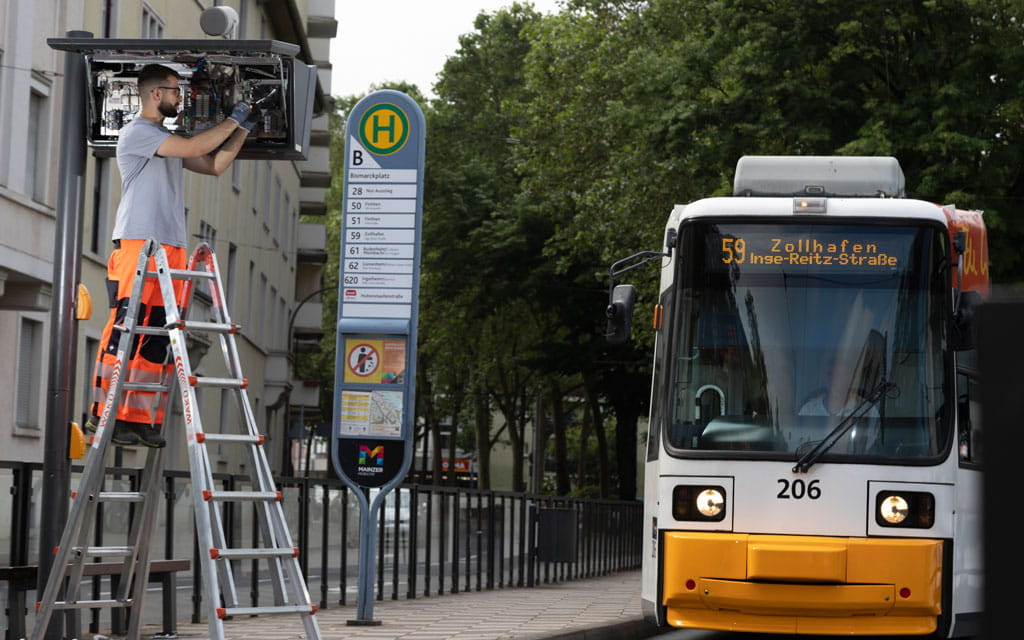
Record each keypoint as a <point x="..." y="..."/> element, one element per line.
<point x="36" y="147"/>
<point x="236" y="176"/>
<point x="277" y="213"/>
<point x="100" y="203"/>
<point x="152" y="25"/>
<point x="232" y="271"/>
<point x="250" y="311"/>
<point x="29" y="378"/>
<point x="261" y="312"/>
<point x="267" y="195"/>
<point x="272" y="328"/>
<point x="92" y="346"/>
<point x="282" y="311"/>
<point x="109" y="18"/>
<point x="243" y="18"/>
<point x="255" y="187"/>
<point x="208" y="234"/>
<point x="286" y="236"/>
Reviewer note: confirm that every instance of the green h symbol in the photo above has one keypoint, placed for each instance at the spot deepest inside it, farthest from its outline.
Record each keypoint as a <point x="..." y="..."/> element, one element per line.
<point x="383" y="122"/>
<point x="379" y="128"/>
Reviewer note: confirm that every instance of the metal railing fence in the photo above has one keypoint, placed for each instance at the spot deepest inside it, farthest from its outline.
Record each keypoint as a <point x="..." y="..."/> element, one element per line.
<point x="431" y="540"/>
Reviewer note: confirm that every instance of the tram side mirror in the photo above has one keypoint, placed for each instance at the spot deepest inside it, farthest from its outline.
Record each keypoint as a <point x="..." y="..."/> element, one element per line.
<point x="964" y="320"/>
<point x="620" y="313"/>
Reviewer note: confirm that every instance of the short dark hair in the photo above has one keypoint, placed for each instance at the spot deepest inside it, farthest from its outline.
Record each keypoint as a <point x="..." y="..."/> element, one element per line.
<point x="154" y="75"/>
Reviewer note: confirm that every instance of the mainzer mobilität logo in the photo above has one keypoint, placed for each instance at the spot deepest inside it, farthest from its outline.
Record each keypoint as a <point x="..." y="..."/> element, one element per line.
<point x="371" y="460"/>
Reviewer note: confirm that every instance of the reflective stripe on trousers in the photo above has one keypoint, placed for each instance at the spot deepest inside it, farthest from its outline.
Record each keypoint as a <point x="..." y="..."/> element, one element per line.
<point x="148" y="355"/>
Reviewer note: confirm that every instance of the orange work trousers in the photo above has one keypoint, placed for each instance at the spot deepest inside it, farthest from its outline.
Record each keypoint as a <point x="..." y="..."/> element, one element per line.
<point x="147" y="361"/>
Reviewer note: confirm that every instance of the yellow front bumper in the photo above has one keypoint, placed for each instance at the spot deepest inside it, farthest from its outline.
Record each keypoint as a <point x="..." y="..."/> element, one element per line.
<point x="802" y="584"/>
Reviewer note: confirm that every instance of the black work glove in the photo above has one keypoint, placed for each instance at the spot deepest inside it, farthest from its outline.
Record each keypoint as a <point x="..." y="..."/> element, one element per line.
<point x="250" y="123"/>
<point x="240" y="113"/>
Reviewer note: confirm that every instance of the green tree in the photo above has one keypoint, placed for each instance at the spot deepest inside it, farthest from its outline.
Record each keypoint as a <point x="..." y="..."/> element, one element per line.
<point x="476" y="251"/>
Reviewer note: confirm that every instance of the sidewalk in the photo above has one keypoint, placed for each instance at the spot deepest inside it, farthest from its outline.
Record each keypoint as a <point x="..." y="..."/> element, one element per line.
<point x="596" y="609"/>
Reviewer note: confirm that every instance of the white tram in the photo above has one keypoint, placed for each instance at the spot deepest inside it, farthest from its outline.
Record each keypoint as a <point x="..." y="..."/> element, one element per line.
<point x="813" y="463"/>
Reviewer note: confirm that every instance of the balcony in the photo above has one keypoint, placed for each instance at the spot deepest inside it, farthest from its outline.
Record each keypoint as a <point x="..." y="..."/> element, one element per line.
<point x="308" y="319"/>
<point x="311" y="243"/>
<point x="305" y="393"/>
<point x="317" y="161"/>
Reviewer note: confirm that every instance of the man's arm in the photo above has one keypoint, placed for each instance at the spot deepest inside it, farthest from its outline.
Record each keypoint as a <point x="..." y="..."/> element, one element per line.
<point x="217" y="162"/>
<point x="203" y="143"/>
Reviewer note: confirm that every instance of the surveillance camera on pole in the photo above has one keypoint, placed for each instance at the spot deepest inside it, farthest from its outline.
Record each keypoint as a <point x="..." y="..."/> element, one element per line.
<point x="218" y="21"/>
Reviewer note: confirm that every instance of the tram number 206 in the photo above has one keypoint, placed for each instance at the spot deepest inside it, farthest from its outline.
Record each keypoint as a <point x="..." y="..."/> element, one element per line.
<point x="798" y="489"/>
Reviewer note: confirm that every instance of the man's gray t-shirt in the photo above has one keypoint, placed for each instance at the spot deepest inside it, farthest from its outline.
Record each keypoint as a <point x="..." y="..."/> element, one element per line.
<point x="152" y="204"/>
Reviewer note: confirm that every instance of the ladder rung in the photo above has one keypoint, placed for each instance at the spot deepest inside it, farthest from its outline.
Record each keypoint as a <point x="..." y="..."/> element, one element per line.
<point x="89" y="604"/>
<point x="105" y="551"/>
<point x="214" y="327"/>
<point x="183" y="274"/>
<point x="151" y="331"/>
<point x="190" y="325"/>
<point x="230" y="437"/>
<point x="227" y="383"/>
<point x="223" y="612"/>
<point x="241" y="496"/>
<point x="245" y="554"/>
<point x="114" y="496"/>
<point x="121" y="496"/>
<point x="154" y="387"/>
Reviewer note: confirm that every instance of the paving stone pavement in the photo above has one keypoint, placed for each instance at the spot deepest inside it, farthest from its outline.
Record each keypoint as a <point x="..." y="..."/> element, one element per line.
<point x="605" y="608"/>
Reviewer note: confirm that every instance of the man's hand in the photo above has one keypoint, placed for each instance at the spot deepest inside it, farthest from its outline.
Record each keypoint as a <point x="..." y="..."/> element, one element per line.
<point x="240" y="113"/>
<point x="250" y="123"/>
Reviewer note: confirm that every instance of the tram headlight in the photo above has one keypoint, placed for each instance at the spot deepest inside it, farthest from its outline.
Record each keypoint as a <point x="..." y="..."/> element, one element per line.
<point x="906" y="509"/>
<point x="894" y="509"/>
<point x="697" y="502"/>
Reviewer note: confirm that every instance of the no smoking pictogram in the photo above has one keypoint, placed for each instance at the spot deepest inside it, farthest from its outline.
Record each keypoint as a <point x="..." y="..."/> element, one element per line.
<point x="363" y="360"/>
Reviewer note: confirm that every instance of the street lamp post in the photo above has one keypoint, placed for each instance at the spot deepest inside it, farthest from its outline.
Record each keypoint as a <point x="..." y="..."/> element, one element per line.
<point x="67" y="272"/>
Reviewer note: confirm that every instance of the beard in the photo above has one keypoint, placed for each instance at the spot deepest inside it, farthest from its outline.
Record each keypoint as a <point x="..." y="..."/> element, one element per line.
<point x="167" y="109"/>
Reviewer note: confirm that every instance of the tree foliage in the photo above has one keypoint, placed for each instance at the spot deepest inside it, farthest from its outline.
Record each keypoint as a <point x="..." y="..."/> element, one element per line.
<point x="559" y="143"/>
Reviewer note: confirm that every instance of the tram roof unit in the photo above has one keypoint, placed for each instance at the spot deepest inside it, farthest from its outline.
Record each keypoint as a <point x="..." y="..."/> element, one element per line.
<point x="825" y="207"/>
<point x="819" y="176"/>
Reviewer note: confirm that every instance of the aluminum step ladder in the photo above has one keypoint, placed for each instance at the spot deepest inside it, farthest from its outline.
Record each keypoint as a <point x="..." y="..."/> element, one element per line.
<point x="274" y="544"/>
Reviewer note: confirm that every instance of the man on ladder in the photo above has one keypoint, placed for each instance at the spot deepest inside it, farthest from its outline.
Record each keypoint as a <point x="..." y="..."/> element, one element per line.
<point x="151" y="160"/>
<point x="146" y="325"/>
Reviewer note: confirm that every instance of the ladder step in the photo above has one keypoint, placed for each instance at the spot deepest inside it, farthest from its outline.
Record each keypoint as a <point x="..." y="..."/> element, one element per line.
<point x="191" y="325"/>
<point x="121" y="496"/>
<point x="223" y="612"/>
<point x="89" y="604"/>
<point x="227" y="383"/>
<point x="123" y="552"/>
<point x="154" y="387"/>
<point x="241" y="496"/>
<point x="150" y="331"/>
<point x="247" y="554"/>
<point x="213" y="327"/>
<point x="230" y="437"/>
<point x="183" y="274"/>
<point x="115" y="496"/>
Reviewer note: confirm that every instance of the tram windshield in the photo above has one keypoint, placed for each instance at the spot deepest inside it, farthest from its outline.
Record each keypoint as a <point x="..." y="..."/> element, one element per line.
<point x="784" y="330"/>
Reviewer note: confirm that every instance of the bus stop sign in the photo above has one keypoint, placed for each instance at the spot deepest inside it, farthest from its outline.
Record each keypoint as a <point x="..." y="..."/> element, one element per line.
<point x="378" y="291"/>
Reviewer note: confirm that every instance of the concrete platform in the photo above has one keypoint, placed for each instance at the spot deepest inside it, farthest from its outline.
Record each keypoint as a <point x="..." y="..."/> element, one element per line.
<point x="596" y="609"/>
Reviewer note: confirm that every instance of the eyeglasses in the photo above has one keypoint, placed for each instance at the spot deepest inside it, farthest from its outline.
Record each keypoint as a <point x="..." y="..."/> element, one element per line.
<point x="177" y="89"/>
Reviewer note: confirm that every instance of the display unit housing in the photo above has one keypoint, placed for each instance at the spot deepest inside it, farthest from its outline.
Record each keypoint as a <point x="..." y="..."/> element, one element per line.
<point x="214" y="75"/>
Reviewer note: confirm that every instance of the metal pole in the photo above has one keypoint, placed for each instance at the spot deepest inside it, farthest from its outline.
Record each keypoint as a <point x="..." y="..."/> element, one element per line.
<point x="537" y="468"/>
<point x="67" y="268"/>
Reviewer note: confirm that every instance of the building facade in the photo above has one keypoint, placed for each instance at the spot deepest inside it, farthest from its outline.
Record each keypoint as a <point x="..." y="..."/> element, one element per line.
<point x="260" y="218"/>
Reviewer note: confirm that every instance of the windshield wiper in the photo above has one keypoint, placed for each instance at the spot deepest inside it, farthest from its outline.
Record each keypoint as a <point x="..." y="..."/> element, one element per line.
<point x="837" y="432"/>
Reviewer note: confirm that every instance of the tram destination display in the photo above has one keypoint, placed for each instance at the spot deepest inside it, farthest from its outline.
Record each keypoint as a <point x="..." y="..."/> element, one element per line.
<point x="835" y="249"/>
